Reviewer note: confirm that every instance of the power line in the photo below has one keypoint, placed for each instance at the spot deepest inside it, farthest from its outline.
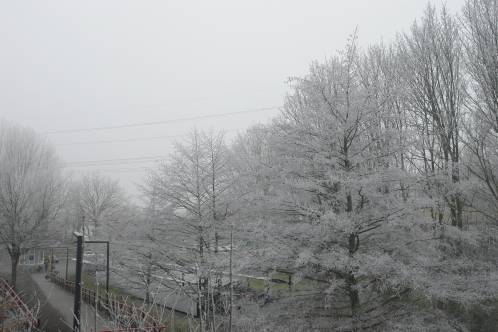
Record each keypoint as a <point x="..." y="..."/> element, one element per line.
<point x="120" y="140"/>
<point x="153" y="123"/>
<point x="115" y="161"/>
<point x="136" y="139"/>
<point x="119" y="159"/>
<point x="114" y="164"/>
<point x="115" y="170"/>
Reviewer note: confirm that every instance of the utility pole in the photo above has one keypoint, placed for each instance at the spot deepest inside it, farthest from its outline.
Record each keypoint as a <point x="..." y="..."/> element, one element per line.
<point x="96" y="298"/>
<point x="231" y="285"/>
<point x="67" y="260"/>
<point x="107" y="270"/>
<point x="77" y="287"/>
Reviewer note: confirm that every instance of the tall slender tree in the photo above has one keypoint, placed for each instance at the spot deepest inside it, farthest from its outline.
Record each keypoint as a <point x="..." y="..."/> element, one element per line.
<point x="434" y="65"/>
<point x="480" y="19"/>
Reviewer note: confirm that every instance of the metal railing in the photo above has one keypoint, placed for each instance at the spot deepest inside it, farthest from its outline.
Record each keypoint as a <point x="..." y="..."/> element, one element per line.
<point x="21" y="308"/>
<point x="112" y="306"/>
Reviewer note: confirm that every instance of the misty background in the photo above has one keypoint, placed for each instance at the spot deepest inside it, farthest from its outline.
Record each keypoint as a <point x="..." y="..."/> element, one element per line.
<point x="76" y="65"/>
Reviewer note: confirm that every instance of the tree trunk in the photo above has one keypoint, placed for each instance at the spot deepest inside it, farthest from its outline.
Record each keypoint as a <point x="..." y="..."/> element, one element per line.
<point x="458" y="203"/>
<point x="354" y="300"/>
<point x="459" y="211"/>
<point x="353" y="244"/>
<point x="14" y="258"/>
<point x="147" y="295"/>
<point x="147" y="282"/>
<point x="200" y="312"/>
<point x="456" y="211"/>
<point x="148" y="279"/>
<point x="349" y="203"/>
<point x="201" y="248"/>
<point x="216" y="240"/>
<point x="354" y="297"/>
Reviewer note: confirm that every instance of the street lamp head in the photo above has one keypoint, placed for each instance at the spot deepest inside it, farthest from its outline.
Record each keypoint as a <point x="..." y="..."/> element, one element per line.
<point x="77" y="234"/>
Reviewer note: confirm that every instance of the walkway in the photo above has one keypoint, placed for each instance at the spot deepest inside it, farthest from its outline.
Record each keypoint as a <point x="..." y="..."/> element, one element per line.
<point x="50" y="319"/>
<point x="63" y="302"/>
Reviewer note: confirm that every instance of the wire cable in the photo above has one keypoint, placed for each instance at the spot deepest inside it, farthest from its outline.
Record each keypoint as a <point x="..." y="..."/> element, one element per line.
<point x="136" y="139"/>
<point x="114" y="164"/>
<point x="119" y="140"/>
<point x="118" y="159"/>
<point x="153" y="123"/>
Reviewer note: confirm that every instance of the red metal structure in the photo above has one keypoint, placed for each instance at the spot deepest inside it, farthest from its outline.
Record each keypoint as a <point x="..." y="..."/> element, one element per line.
<point x="21" y="310"/>
<point x="152" y="329"/>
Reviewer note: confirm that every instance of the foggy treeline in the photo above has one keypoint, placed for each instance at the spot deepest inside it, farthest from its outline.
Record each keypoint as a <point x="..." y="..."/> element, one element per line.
<point x="369" y="204"/>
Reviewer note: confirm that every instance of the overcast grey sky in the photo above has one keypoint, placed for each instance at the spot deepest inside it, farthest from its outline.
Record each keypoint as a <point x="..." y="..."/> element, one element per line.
<point x="77" y="64"/>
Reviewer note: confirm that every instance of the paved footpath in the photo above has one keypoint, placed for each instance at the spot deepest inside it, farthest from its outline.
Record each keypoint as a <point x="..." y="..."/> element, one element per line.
<point x="56" y="304"/>
<point x="51" y="320"/>
<point x="63" y="301"/>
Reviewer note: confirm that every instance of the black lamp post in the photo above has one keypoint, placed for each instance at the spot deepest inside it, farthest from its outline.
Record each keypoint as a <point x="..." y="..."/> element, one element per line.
<point x="77" y="288"/>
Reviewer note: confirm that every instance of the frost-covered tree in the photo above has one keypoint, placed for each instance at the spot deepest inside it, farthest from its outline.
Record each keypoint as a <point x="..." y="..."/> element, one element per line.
<point x="339" y="193"/>
<point x="356" y="191"/>
<point x="434" y="75"/>
<point x="99" y="200"/>
<point x="331" y="201"/>
<point x="31" y="190"/>
<point x="135" y="253"/>
<point x="481" y="46"/>
<point x="195" y="185"/>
